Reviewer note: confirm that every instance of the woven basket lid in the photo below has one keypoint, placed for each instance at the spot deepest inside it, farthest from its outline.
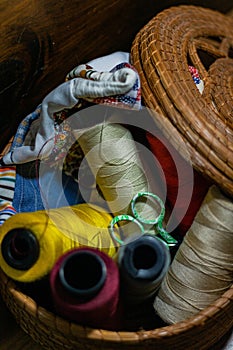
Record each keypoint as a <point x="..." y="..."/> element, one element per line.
<point x="200" y="124"/>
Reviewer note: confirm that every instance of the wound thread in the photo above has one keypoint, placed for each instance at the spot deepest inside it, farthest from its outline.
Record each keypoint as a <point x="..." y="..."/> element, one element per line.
<point x="56" y="231"/>
<point x="203" y="266"/>
<point x="99" y="309"/>
<point x="143" y="263"/>
<point x="112" y="155"/>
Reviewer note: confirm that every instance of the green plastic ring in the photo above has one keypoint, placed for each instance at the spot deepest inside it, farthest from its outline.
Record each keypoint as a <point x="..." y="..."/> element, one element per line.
<point x="123" y="217"/>
<point x="158" y="219"/>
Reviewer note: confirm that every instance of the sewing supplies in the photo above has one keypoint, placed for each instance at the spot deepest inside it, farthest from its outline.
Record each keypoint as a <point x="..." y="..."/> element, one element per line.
<point x="143" y="262"/>
<point x="112" y="155"/>
<point x="143" y="256"/>
<point x="145" y="224"/>
<point x="203" y="266"/>
<point x="7" y="186"/>
<point x="32" y="242"/>
<point x="85" y="287"/>
<point x="129" y="96"/>
<point x="186" y="188"/>
<point x="67" y="95"/>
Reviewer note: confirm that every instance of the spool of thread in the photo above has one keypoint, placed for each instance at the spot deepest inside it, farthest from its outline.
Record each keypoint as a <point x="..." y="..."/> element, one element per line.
<point x="143" y="263"/>
<point x="112" y="155"/>
<point x="32" y="242"/>
<point x="185" y="208"/>
<point x="85" y="287"/>
<point x="203" y="266"/>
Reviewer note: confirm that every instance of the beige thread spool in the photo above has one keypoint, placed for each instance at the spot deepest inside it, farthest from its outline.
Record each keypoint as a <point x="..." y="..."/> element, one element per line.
<point x="111" y="153"/>
<point x="203" y="266"/>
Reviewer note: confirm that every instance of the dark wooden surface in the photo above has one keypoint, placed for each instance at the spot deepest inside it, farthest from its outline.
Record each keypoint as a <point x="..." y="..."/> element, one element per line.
<point x="42" y="40"/>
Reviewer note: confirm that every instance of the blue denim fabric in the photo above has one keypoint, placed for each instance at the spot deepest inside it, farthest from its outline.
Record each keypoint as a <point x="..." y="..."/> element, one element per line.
<point x="27" y="196"/>
<point x="31" y="195"/>
<point x="58" y="189"/>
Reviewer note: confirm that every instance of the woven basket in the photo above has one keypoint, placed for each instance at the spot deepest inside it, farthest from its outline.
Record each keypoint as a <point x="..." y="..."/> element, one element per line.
<point x="197" y="333"/>
<point x="200" y="125"/>
<point x="53" y="332"/>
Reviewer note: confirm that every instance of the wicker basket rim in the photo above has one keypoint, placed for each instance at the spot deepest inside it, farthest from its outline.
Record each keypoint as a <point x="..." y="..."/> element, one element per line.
<point x="43" y="314"/>
<point x="178" y="105"/>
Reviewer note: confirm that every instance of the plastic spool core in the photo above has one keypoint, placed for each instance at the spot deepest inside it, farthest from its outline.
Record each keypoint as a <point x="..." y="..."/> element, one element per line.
<point x="144" y="260"/>
<point x="83" y="273"/>
<point x="20" y="248"/>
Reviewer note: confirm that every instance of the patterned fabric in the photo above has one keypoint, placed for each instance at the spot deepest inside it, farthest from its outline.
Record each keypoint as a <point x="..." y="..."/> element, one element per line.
<point x="129" y="100"/>
<point x="29" y="196"/>
<point x="6" y="211"/>
<point x="195" y="74"/>
<point x="64" y="157"/>
<point x="7" y="186"/>
<point x="24" y="128"/>
<point x="196" y="78"/>
<point x="66" y="96"/>
<point x="63" y="133"/>
<point x="7" y="183"/>
<point x="64" y="138"/>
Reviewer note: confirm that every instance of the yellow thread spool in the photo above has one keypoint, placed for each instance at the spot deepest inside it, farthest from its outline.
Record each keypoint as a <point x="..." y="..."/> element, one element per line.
<point x="57" y="231"/>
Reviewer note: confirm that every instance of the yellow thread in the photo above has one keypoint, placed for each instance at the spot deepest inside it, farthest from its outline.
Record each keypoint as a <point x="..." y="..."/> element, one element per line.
<point x="58" y="231"/>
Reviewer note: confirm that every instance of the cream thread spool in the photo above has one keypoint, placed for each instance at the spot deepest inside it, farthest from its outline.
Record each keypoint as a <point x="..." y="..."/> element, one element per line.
<point x="203" y="266"/>
<point x="111" y="153"/>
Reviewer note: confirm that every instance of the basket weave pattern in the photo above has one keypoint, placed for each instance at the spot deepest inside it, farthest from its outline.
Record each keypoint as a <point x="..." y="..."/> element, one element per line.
<point x="53" y="332"/>
<point x="56" y="333"/>
<point x="197" y="125"/>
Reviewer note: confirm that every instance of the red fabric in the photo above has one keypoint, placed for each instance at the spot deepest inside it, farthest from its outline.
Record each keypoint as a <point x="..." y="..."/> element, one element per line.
<point x="103" y="310"/>
<point x="170" y="160"/>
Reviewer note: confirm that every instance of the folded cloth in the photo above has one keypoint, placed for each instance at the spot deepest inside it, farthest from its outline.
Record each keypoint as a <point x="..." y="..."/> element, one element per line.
<point x="7" y="185"/>
<point x="34" y="190"/>
<point x="108" y="62"/>
<point x="26" y="193"/>
<point x="63" y="132"/>
<point x="8" y="174"/>
<point x="131" y="99"/>
<point x="67" y="95"/>
<point x="25" y="129"/>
